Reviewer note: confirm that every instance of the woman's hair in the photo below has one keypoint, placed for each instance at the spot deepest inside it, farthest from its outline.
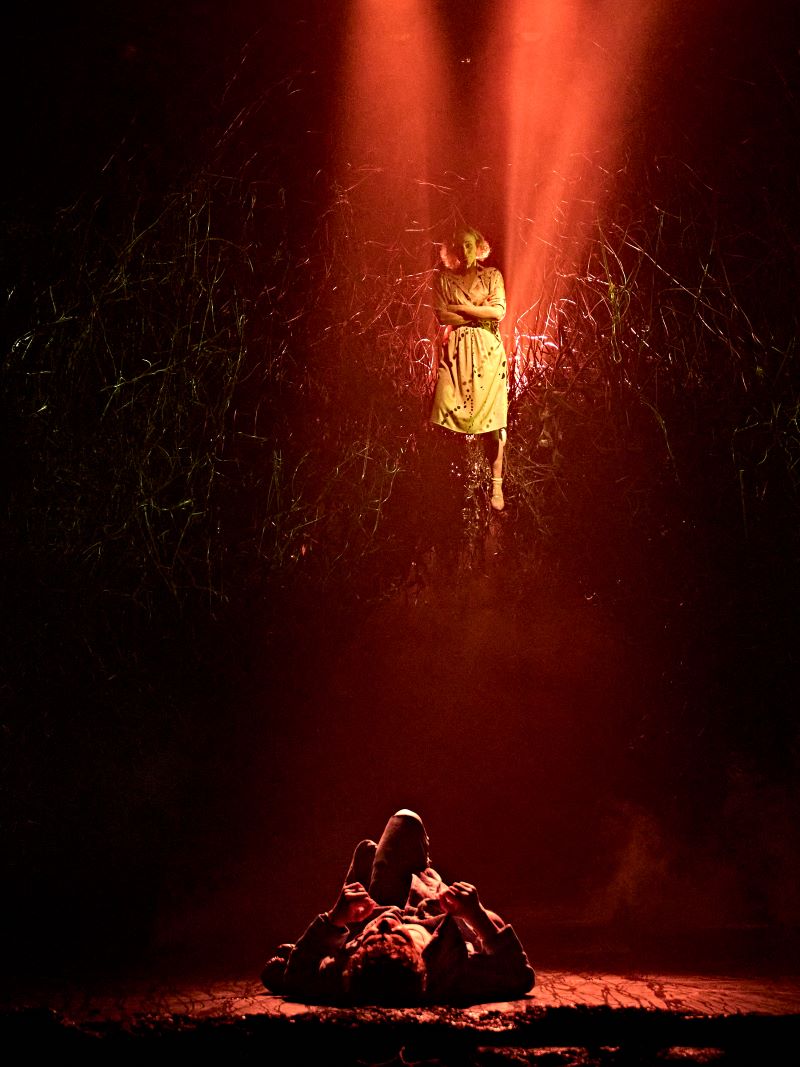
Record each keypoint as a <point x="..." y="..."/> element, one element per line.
<point x="450" y="251"/>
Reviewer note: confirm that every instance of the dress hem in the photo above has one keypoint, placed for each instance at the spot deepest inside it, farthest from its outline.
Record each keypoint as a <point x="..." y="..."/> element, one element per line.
<point x="469" y="433"/>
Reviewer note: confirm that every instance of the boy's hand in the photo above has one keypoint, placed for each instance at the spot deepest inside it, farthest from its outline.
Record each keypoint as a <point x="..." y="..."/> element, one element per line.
<point x="353" y="906"/>
<point x="461" y="899"/>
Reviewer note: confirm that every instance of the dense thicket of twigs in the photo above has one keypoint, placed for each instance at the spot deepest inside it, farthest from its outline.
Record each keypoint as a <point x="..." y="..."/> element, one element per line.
<point x="215" y="403"/>
<point x="200" y="400"/>
<point x="196" y="394"/>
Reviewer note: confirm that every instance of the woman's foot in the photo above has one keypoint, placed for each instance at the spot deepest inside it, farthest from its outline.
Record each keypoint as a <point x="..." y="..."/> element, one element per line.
<point x="496" y="500"/>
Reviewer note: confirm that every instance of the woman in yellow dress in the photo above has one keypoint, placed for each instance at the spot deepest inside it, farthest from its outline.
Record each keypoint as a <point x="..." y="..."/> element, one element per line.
<point x="472" y="385"/>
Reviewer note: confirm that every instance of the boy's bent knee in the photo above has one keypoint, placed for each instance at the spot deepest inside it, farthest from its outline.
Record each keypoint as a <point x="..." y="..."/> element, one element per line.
<point x="409" y="813"/>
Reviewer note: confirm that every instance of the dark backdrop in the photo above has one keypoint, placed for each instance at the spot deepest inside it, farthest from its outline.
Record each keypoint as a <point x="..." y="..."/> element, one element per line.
<point x="185" y="774"/>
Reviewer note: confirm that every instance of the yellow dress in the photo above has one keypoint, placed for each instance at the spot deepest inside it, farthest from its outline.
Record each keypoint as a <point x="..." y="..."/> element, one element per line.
<point x="472" y="385"/>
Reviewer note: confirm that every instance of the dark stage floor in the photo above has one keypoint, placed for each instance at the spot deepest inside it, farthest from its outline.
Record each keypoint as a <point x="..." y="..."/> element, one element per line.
<point x="569" y="1019"/>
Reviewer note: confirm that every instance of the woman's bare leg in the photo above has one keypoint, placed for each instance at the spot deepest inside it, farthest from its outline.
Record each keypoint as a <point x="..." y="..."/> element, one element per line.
<point x="499" y="438"/>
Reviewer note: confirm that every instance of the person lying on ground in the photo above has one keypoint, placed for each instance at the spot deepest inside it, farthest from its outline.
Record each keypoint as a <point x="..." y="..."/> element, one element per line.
<point x="398" y="934"/>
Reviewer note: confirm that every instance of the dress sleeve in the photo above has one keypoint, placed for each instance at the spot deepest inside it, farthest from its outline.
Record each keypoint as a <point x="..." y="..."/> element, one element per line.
<point x="440" y="300"/>
<point x="497" y="292"/>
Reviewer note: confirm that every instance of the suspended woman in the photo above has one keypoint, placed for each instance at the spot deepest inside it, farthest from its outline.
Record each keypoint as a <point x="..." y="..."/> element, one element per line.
<point x="472" y="386"/>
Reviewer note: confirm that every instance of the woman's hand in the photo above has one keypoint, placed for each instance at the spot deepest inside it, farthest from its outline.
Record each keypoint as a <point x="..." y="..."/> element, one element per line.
<point x="461" y="309"/>
<point x="454" y="315"/>
<point x="353" y="906"/>
<point x="469" y="308"/>
<point x="476" y="311"/>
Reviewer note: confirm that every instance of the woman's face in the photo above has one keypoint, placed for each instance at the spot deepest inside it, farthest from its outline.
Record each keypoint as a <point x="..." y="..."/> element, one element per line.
<point x="467" y="249"/>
